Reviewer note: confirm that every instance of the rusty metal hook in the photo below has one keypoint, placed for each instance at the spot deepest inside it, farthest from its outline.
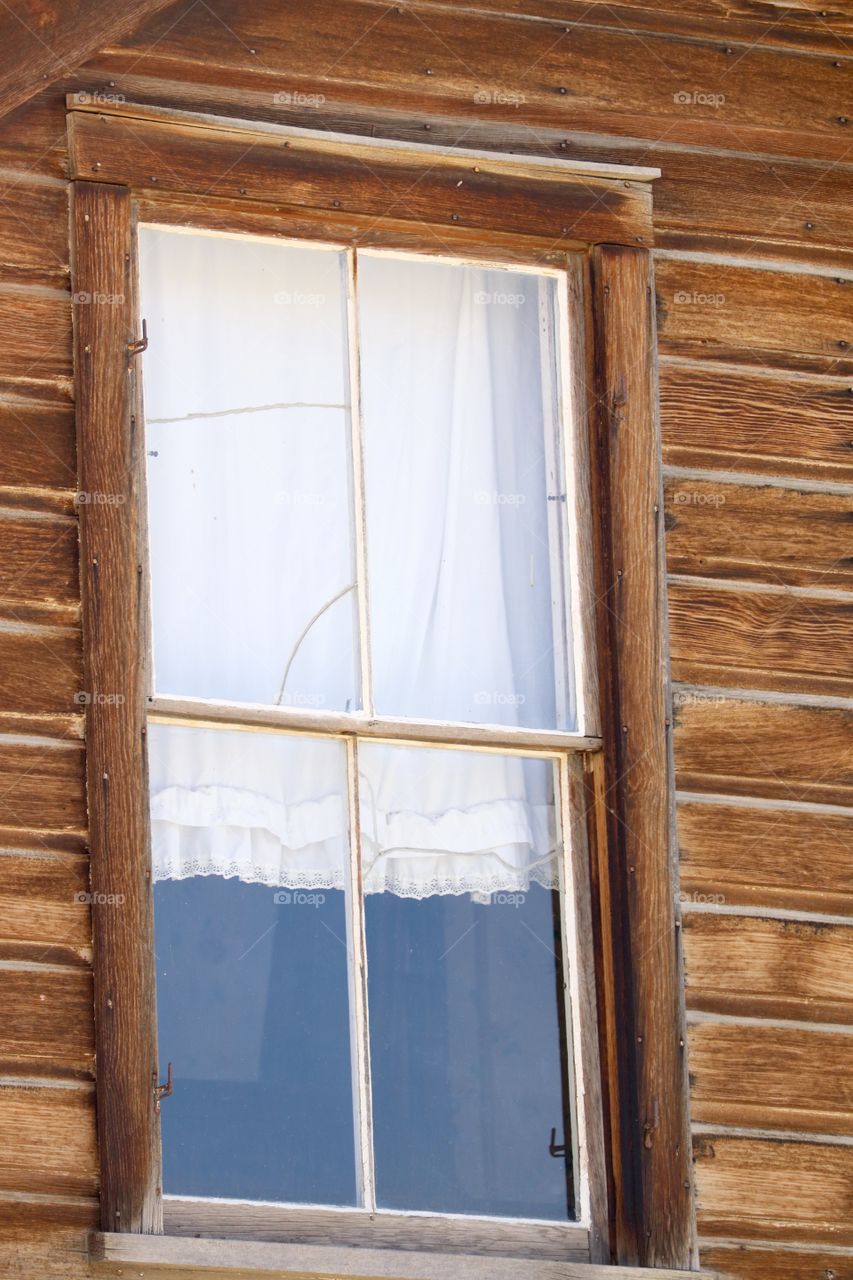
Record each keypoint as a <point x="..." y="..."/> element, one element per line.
<point x="163" y="1090"/>
<point x="556" y="1149"/>
<point x="136" y="348"/>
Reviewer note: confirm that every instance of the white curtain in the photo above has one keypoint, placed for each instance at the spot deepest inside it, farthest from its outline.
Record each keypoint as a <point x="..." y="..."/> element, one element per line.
<point x="253" y="565"/>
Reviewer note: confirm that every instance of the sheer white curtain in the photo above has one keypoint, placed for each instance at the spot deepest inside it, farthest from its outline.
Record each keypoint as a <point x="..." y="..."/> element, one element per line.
<point x="251" y="518"/>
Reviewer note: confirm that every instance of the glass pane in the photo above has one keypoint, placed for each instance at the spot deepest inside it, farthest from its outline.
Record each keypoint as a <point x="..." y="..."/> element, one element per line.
<point x="466" y="983"/>
<point x="465" y="498"/>
<point x="247" y="435"/>
<point x="252" y="984"/>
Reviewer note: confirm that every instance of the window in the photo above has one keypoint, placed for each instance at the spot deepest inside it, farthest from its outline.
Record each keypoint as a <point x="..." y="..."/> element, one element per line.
<point x="357" y="494"/>
<point x="416" y="966"/>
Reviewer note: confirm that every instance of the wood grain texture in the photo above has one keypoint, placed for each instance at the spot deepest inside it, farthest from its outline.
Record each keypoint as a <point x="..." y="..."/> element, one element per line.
<point x="759" y="532"/>
<point x="355" y="1228"/>
<point x="752" y="205"/>
<point x="33" y="233"/>
<point x="730" y="20"/>
<point x="45" y="39"/>
<point x="799" y="860"/>
<point x="48" y="1024"/>
<point x="430" y="59"/>
<point x="42" y="785"/>
<point x="764" y="968"/>
<point x="741" y="1261"/>
<point x="780" y="751"/>
<point x="805" y="1189"/>
<point x="32" y="140"/>
<point x="760" y="640"/>
<point x="38" y="446"/>
<point x="770" y="1078"/>
<point x="747" y="421"/>
<point x="36" y="325"/>
<point x="42" y="906"/>
<point x="41" y="672"/>
<point x="114" y="623"/>
<point x="186" y="1259"/>
<point x="747" y="315"/>
<point x="366" y="180"/>
<point x="359" y="230"/>
<point x="47" y="1140"/>
<point x="647" y="1055"/>
<point x="38" y="561"/>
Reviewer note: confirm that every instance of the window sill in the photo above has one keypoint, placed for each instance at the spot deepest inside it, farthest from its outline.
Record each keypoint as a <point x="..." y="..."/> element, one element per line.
<point x="184" y="1258"/>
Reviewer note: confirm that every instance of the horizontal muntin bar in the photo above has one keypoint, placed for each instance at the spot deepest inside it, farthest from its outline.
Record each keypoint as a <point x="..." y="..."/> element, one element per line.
<point x="253" y="716"/>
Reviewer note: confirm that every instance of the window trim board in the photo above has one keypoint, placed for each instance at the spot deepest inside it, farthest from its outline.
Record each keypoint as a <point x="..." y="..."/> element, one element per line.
<point x="184" y="1258"/>
<point x="616" y="301"/>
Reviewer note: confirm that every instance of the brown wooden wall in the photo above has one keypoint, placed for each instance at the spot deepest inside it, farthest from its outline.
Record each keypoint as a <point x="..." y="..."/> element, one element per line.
<point x="744" y="107"/>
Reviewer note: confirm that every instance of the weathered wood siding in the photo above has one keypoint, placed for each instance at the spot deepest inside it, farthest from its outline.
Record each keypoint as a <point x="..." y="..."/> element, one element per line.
<point x="745" y="109"/>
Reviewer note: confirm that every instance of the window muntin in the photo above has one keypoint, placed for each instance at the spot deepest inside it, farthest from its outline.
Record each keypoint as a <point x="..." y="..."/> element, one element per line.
<point x="240" y="776"/>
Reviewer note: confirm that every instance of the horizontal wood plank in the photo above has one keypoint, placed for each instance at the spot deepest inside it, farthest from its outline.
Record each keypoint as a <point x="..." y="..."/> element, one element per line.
<point x="186" y="1258"/>
<point x="799" y="860"/>
<point x="749" y="315"/>
<point x="775" y="750"/>
<point x="47" y="1140"/>
<point x="469" y="64"/>
<point x="740" y="1261"/>
<point x="760" y="640"/>
<point x="32" y="138"/>
<point x="38" y="445"/>
<point x="356" y="1228"/>
<point x="42" y="905"/>
<point x="33" y="233"/>
<point x="36" y="325"/>
<point x="38" y="560"/>
<point x="748" y="421"/>
<point x="758" y="967"/>
<point x="42" y="786"/>
<point x="762" y="533"/>
<point x="46" y="1236"/>
<point x="773" y="1190"/>
<point x="315" y="172"/>
<point x="48" y="1025"/>
<point x="41" y="672"/>
<point x="770" y="1078"/>
<point x="733" y="20"/>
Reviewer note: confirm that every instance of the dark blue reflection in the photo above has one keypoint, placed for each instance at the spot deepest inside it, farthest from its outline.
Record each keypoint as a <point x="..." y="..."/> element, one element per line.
<point x="253" y="1013"/>
<point x="468" y="1071"/>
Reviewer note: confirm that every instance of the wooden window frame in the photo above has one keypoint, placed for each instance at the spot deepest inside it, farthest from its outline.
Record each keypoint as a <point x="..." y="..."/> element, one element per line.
<point x="592" y="222"/>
